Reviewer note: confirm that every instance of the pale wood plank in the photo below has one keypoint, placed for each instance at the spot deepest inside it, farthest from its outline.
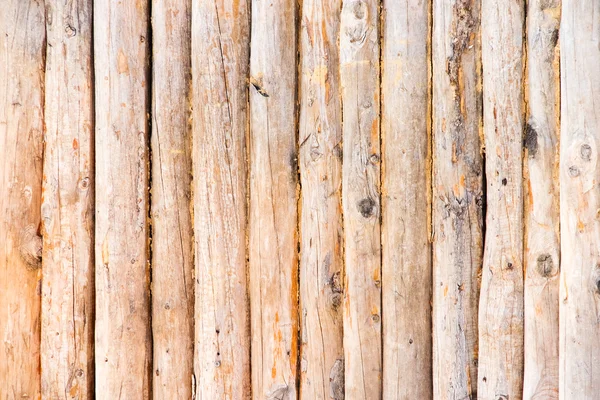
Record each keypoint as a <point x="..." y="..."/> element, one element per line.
<point x="321" y="227"/>
<point x="273" y="236"/>
<point x="457" y="198"/>
<point x="22" y="40"/>
<point x="579" y="352"/>
<point x="220" y="56"/>
<point x="500" y="372"/>
<point x="359" y="66"/>
<point x="122" y="336"/>
<point x="67" y="344"/>
<point x="407" y="276"/>
<point x="542" y="243"/>
<point x="172" y="258"/>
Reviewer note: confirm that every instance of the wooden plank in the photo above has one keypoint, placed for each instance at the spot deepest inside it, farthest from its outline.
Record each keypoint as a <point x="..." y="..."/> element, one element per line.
<point x="542" y="243"/>
<point x="457" y="198"/>
<point x="500" y="372"/>
<point x="122" y="335"/>
<point x="359" y="66"/>
<point x="407" y="276"/>
<point x="273" y="236"/>
<point x="67" y="344"/>
<point x="321" y="225"/>
<point x="580" y="201"/>
<point x="220" y="56"/>
<point x="172" y="258"/>
<point x="22" y="40"/>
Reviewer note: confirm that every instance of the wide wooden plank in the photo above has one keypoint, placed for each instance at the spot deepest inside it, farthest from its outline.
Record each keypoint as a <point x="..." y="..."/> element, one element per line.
<point x="22" y="40"/>
<point x="67" y="344"/>
<point x="273" y="236"/>
<point x="321" y="227"/>
<point x="123" y="340"/>
<point x="542" y="243"/>
<point x="172" y="259"/>
<point x="457" y="198"/>
<point x="580" y="201"/>
<point x="359" y="66"/>
<point x="500" y="372"/>
<point x="220" y="56"/>
<point x="405" y="87"/>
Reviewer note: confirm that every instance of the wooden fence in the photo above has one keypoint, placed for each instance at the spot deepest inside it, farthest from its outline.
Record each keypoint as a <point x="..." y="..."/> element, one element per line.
<point x="312" y="199"/>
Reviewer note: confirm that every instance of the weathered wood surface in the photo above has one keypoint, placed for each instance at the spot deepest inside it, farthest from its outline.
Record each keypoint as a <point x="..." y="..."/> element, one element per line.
<point x="579" y="200"/>
<point x="500" y="373"/>
<point x="220" y="55"/>
<point x="22" y="40"/>
<point x="457" y="197"/>
<point x="359" y="66"/>
<point x="172" y="258"/>
<point x="273" y="236"/>
<point x="321" y="225"/>
<point x="406" y="280"/>
<point x="67" y="340"/>
<point x="542" y="243"/>
<point x="123" y="335"/>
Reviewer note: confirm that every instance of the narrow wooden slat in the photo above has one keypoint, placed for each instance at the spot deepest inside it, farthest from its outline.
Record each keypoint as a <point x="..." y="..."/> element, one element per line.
<point x="22" y="39"/>
<point x="542" y="243"/>
<point x="322" y="240"/>
<point x="123" y="347"/>
<point x="457" y="197"/>
<point x="172" y="262"/>
<point x="407" y="357"/>
<point x="500" y="372"/>
<point x="67" y="346"/>
<point x="273" y="236"/>
<point x="220" y="55"/>
<point x="579" y="201"/>
<point x="359" y="66"/>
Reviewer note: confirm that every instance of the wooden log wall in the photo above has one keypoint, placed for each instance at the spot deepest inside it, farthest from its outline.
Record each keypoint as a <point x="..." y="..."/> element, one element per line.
<point x="324" y="199"/>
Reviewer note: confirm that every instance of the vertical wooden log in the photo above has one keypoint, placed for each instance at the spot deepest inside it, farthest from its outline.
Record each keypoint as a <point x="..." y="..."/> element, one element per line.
<point x="457" y="197"/>
<point x="359" y="60"/>
<point x="123" y="335"/>
<point x="22" y="39"/>
<point x="67" y="346"/>
<point x="500" y="372"/>
<point x="580" y="201"/>
<point x="407" y="369"/>
<point x="172" y="262"/>
<point x="542" y="243"/>
<point x="273" y="236"/>
<point x="322" y="240"/>
<point x="220" y="55"/>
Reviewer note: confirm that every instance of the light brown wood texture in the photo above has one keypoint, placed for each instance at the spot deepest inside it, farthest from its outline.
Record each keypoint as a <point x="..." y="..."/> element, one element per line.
<point x="542" y="243"/>
<point x="579" y="200"/>
<point x="500" y="374"/>
<point x="273" y="236"/>
<point x="220" y="56"/>
<point x="359" y="66"/>
<point x="123" y="343"/>
<point x="172" y="258"/>
<point x="406" y="280"/>
<point x="22" y="40"/>
<point x="67" y="340"/>
<point x="321" y="225"/>
<point x="457" y="197"/>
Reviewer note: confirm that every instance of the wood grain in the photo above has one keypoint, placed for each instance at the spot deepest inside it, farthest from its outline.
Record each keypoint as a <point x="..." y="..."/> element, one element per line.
<point x="67" y="344"/>
<point x="22" y="48"/>
<point x="220" y="56"/>
<point x="407" y="276"/>
<point x="273" y="236"/>
<point x="123" y="340"/>
<point x="172" y="258"/>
